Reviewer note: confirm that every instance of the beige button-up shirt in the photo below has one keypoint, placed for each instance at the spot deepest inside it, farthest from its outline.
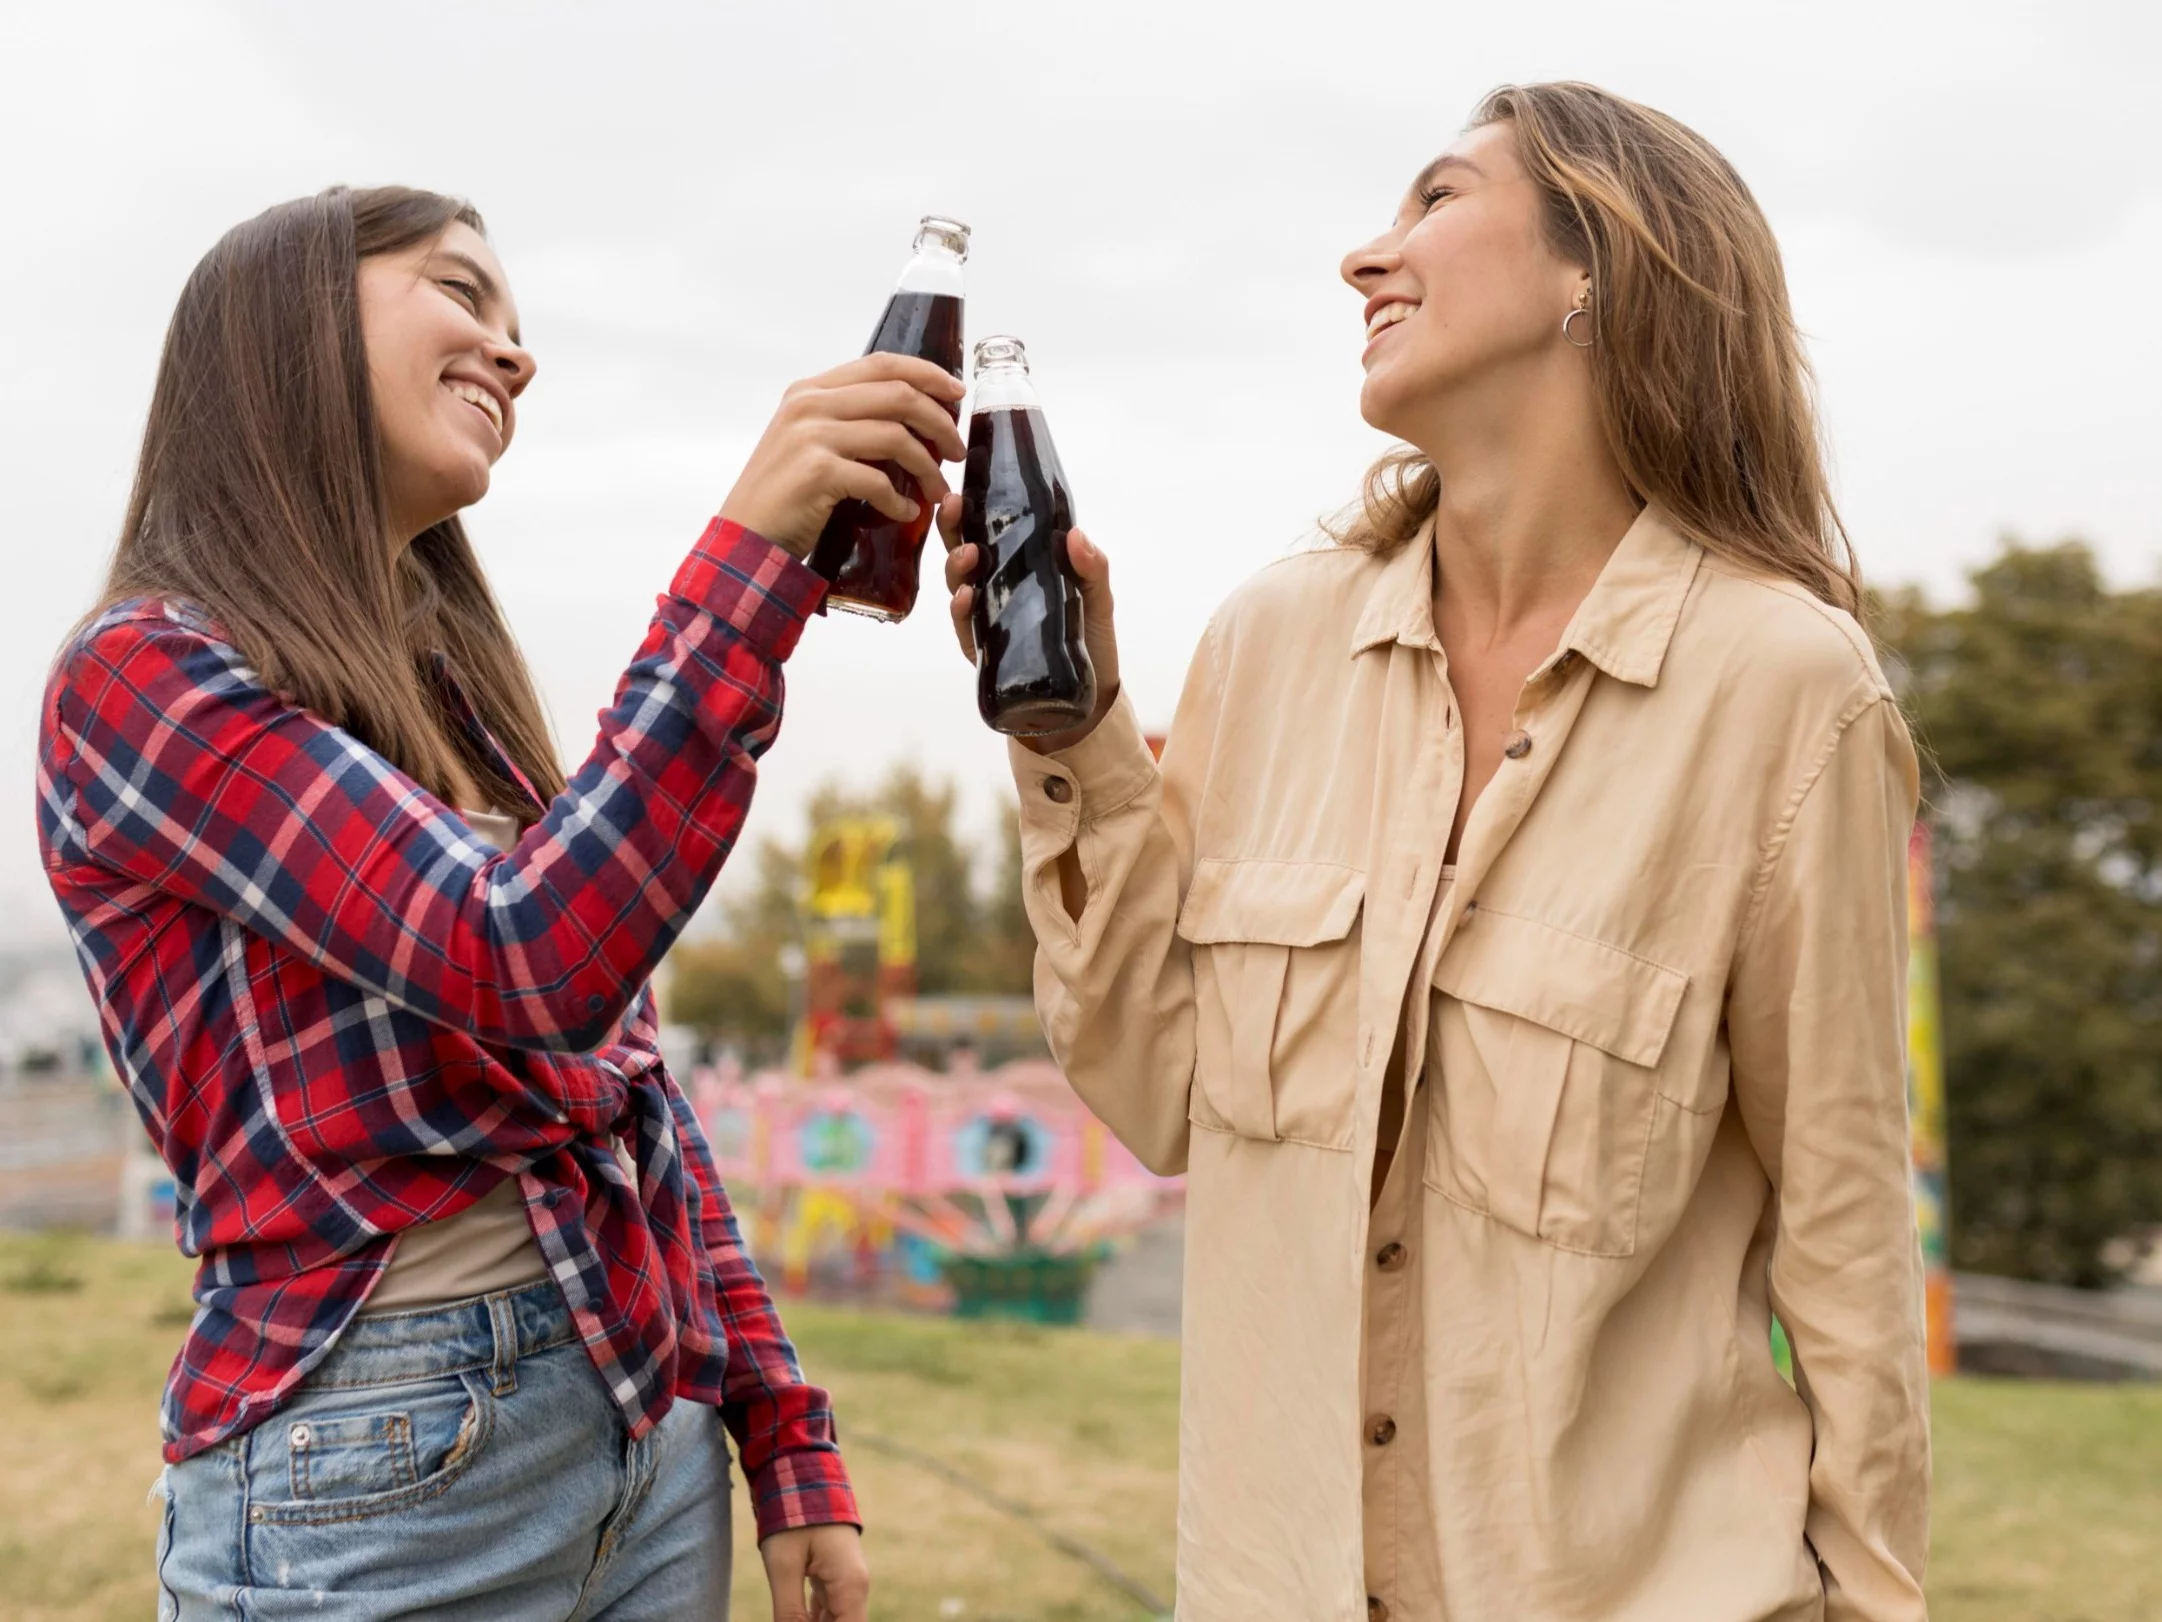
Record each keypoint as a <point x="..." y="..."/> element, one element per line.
<point x="1651" y="1036"/>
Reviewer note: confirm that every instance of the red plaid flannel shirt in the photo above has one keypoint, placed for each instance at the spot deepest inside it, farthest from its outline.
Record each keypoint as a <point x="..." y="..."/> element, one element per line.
<point x="341" y="1012"/>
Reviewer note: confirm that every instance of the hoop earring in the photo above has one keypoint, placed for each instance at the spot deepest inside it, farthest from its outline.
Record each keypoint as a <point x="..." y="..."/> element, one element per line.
<point x="1567" y="339"/>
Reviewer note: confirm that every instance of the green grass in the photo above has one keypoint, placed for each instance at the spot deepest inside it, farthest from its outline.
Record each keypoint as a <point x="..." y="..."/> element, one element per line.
<point x="2048" y="1504"/>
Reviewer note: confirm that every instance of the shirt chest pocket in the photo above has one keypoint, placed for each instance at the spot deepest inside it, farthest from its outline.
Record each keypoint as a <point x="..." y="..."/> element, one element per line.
<point x="1276" y="993"/>
<point x="1546" y="1101"/>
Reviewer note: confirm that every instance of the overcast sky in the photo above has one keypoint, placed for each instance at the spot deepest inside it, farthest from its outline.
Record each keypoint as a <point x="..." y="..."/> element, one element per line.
<point x="699" y="203"/>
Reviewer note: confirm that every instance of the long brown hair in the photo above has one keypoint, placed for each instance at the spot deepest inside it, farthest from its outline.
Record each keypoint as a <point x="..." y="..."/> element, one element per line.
<point x="1703" y="388"/>
<point x="259" y="497"/>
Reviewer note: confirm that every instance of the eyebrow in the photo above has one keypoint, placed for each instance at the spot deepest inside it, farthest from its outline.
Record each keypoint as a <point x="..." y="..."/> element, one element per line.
<point x="1448" y="160"/>
<point x="489" y="292"/>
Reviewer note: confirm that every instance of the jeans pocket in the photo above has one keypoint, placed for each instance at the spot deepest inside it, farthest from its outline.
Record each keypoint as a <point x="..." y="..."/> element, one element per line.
<point x="351" y="1454"/>
<point x="168" y="1601"/>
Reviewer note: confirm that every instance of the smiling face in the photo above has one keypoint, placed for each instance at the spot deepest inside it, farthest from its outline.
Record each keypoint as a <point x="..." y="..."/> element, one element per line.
<point x="446" y="369"/>
<point x="1464" y="288"/>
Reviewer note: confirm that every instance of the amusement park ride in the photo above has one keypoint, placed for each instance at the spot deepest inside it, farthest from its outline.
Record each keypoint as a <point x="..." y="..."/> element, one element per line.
<point x="859" y="943"/>
<point x="989" y="1191"/>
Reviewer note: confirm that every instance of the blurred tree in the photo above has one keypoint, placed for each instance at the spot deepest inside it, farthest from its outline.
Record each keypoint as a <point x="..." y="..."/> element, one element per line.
<point x="728" y="984"/>
<point x="1007" y="945"/>
<point x="2039" y="710"/>
<point x="728" y="992"/>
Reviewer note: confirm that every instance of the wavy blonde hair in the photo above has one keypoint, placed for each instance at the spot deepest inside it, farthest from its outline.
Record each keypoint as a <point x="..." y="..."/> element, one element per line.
<point x="1705" y="394"/>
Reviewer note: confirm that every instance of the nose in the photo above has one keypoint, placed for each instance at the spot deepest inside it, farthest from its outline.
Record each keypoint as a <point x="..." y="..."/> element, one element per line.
<point x="514" y="363"/>
<point x="1363" y="267"/>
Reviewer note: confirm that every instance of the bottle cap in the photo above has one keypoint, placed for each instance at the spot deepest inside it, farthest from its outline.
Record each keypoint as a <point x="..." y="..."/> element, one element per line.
<point x="1000" y="351"/>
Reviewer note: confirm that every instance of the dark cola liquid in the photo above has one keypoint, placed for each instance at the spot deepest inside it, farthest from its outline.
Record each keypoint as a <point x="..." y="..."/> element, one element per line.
<point x="869" y="558"/>
<point x="1032" y="668"/>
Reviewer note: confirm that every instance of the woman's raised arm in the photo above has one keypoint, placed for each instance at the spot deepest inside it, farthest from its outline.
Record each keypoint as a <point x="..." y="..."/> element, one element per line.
<point x="167" y="763"/>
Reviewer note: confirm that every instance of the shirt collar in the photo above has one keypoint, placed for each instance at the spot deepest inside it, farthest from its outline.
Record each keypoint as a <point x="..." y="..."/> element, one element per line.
<point x="1400" y="607"/>
<point x="1627" y="619"/>
<point x="1623" y="626"/>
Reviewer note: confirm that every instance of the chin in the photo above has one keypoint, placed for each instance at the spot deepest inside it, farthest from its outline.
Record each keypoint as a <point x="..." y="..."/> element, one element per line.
<point x="1381" y="405"/>
<point x="1397" y="398"/>
<point x="459" y="488"/>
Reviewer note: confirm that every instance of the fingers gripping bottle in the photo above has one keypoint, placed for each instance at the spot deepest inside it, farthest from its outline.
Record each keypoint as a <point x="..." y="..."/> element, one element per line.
<point x="1032" y="668"/>
<point x="870" y="559"/>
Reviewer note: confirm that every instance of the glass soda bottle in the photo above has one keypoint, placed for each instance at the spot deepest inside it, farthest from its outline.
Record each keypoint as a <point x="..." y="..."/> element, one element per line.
<point x="868" y="558"/>
<point x="1032" y="668"/>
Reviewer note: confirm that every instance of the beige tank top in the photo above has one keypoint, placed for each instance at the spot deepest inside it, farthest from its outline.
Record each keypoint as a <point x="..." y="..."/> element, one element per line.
<point x="489" y="1245"/>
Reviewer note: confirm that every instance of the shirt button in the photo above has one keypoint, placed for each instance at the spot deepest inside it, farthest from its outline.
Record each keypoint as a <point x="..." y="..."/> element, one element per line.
<point x="1390" y="1258"/>
<point x="1375" y="1610"/>
<point x="1381" y="1430"/>
<point x="1057" y="790"/>
<point x="1518" y="746"/>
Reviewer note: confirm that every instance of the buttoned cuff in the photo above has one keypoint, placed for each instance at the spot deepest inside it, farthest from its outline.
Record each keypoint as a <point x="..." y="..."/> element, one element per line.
<point x="806" y="1487"/>
<point x="750" y="584"/>
<point x="1096" y="777"/>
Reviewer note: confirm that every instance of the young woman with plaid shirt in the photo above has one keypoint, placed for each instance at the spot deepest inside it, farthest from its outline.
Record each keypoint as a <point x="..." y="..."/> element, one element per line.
<point x="473" y="1310"/>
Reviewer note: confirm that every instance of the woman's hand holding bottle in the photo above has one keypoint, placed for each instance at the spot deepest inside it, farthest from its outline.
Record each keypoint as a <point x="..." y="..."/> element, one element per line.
<point x="823" y="443"/>
<point x="1093" y="570"/>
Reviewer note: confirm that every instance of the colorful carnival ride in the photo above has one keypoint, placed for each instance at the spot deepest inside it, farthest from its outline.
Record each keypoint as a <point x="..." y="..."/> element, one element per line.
<point x="985" y="1192"/>
<point x="859" y="942"/>
<point x="935" y="1184"/>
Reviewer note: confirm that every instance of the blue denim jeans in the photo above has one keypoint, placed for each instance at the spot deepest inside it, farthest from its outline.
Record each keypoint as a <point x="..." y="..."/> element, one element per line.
<point x="454" y="1462"/>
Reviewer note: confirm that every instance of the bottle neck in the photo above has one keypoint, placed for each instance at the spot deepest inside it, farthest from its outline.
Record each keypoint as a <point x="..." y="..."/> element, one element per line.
<point x="1004" y="388"/>
<point x="931" y="273"/>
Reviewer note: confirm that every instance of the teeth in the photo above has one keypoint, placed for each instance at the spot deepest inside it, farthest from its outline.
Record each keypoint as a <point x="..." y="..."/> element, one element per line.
<point x="480" y="397"/>
<point x="1388" y="316"/>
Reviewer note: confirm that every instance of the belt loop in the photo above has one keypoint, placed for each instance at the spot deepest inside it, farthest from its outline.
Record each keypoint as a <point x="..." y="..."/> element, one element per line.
<point x="503" y="1367"/>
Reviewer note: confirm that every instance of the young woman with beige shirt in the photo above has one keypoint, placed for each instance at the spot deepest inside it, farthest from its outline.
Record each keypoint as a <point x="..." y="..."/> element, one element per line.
<point x="1510" y="948"/>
